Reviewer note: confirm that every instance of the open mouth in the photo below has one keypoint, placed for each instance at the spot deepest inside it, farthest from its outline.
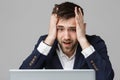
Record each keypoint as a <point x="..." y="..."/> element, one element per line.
<point x="67" y="43"/>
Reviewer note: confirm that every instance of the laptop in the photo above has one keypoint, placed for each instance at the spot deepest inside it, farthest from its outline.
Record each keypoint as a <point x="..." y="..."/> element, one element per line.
<point x="52" y="74"/>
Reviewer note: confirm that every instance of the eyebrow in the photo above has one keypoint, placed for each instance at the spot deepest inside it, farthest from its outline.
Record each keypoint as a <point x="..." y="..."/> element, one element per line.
<point x="72" y="27"/>
<point x="60" y="26"/>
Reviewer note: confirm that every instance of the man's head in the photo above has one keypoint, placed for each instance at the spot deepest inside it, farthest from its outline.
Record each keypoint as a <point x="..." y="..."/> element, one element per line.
<point x="66" y="26"/>
<point x="66" y="10"/>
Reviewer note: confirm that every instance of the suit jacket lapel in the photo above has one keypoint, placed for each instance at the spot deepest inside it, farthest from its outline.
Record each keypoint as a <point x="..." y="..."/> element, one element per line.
<point x="79" y="59"/>
<point x="56" y="61"/>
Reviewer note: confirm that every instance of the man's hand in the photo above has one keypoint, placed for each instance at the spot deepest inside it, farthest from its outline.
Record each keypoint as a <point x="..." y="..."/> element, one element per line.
<point x="81" y="29"/>
<point x="52" y="30"/>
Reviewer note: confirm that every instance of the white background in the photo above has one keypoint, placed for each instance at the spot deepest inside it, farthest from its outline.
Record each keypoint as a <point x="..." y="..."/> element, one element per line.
<point x="23" y="21"/>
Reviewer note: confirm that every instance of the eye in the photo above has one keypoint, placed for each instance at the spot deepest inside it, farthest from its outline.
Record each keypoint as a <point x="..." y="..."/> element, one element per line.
<point x="60" y="28"/>
<point x="72" y="29"/>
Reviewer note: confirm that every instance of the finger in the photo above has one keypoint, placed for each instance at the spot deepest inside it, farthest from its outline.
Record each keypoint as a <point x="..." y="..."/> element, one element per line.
<point x="81" y="15"/>
<point x="55" y="15"/>
<point x="80" y="12"/>
<point x="57" y="9"/>
<point x="76" y="16"/>
<point x="76" y="12"/>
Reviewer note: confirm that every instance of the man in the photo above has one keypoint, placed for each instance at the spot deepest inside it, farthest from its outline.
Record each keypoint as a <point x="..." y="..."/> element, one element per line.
<point x="67" y="46"/>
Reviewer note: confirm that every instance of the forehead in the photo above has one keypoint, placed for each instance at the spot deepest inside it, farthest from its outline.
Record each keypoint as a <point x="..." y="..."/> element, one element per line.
<point x="66" y="22"/>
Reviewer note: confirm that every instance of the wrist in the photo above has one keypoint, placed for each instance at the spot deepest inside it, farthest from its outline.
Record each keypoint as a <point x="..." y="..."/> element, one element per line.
<point x="49" y="40"/>
<point x="84" y="43"/>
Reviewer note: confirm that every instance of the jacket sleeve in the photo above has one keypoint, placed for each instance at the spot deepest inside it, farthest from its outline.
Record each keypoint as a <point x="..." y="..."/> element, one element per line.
<point x="99" y="60"/>
<point x="35" y="60"/>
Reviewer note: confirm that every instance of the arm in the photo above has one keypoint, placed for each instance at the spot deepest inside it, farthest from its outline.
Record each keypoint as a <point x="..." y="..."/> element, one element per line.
<point x="98" y="59"/>
<point x="37" y="58"/>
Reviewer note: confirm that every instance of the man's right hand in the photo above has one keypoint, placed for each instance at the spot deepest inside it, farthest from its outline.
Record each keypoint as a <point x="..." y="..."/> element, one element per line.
<point x="52" y="30"/>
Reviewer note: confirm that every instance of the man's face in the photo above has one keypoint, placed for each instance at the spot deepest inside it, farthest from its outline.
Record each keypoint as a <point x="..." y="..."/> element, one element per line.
<point x="66" y="34"/>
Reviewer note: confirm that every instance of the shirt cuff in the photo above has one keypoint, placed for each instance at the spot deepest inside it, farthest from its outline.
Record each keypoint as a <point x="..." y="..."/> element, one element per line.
<point x="88" y="51"/>
<point x="43" y="48"/>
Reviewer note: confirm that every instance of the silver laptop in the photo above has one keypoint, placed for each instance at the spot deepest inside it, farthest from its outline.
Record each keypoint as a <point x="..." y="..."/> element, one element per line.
<point x="42" y="74"/>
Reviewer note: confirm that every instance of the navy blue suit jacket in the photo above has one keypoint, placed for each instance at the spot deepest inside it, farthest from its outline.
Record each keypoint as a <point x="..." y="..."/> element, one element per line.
<point x="99" y="60"/>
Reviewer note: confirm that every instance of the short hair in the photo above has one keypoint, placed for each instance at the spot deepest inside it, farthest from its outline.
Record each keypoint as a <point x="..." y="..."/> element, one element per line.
<point x="66" y="10"/>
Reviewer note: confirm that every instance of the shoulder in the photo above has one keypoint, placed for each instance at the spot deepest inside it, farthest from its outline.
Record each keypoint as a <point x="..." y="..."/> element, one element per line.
<point x="41" y="38"/>
<point x="94" y="38"/>
<point x="96" y="41"/>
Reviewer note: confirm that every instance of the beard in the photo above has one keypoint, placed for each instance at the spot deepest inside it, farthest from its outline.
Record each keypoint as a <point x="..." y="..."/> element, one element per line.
<point x="68" y="46"/>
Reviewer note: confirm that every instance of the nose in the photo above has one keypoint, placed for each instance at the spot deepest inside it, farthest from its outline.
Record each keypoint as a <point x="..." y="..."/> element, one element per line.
<point x="66" y="35"/>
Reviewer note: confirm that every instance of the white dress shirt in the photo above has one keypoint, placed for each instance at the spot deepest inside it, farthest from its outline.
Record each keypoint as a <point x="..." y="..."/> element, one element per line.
<point x="67" y="63"/>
